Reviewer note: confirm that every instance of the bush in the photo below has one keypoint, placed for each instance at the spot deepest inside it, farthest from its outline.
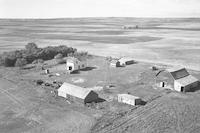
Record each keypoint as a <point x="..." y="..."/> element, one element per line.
<point x="20" y="62"/>
<point x="81" y="55"/>
<point x="31" y="47"/>
<point x="60" y="61"/>
<point x="33" y="54"/>
<point x="58" y="56"/>
<point x="39" y="82"/>
<point x="38" y="61"/>
<point x="8" y="62"/>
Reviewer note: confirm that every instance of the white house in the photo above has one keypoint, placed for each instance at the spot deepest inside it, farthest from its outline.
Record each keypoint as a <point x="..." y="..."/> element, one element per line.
<point x="77" y="93"/>
<point x="74" y="64"/>
<point x="129" y="99"/>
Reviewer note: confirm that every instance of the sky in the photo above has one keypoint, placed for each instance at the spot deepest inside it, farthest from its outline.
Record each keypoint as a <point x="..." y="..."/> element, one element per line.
<point x="98" y="8"/>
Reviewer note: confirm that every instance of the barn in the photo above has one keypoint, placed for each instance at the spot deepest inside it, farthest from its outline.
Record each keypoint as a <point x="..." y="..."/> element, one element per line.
<point x="129" y="99"/>
<point x="126" y="61"/>
<point x="74" y="64"/>
<point x="76" y="93"/>
<point x="177" y="78"/>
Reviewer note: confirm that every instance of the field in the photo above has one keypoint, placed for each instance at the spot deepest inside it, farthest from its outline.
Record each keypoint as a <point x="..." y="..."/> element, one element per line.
<point x="169" y="41"/>
<point x="27" y="107"/>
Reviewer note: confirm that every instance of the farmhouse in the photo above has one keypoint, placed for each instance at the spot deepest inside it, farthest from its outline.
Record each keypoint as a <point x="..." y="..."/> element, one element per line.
<point x="74" y="64"/>
<point x="76" y="93"/>
<point x="177" y="78"/>
<point x="129" y="99"/>
<point x="126" y="61"/>
<point x="115" y="63"/>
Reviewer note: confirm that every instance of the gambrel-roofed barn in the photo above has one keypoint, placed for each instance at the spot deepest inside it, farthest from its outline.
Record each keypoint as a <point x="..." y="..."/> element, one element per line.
<point x="178" y="79"/>
<point x="73" y="92"/>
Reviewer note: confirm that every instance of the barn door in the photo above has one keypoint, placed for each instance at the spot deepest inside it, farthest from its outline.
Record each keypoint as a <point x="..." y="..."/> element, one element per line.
<point x="182" y="89"/>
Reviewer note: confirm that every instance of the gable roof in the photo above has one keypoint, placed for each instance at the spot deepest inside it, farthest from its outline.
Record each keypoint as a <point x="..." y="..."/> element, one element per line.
<point x="74" y="90"/>
<point x="128" y="96"/>
<point x="178" y="73"/>
<point x="114" y="61"/>
<point x="187" y="80"/>
<point x="125" y="59"/>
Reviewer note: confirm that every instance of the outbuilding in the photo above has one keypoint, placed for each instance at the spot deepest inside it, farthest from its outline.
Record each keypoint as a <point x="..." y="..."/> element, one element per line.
<point x="74" y="64"/>
<point x="177" y="78"/>
<point x="76" y="93"/>
<point x="126" y="61"/>
<point x="129" y="99"/>
<point x="115" y="63"/>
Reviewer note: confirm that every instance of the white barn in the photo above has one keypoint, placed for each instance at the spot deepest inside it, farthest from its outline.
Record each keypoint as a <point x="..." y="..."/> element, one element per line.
<point x="177" y="79"/>
<point x="74" y="64"/>
<point x="129" y="99"/>
<point x="76" y="93"/>
<point x="183" y="81"/>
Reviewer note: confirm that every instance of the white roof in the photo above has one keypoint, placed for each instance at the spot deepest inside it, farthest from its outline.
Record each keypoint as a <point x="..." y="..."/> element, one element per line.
<point x="114" y="61"/>
<point x="74" y="90"/>
<point x="131" y="97"/>
<point x="125" y="59"/>
<point x="187" y="80"/>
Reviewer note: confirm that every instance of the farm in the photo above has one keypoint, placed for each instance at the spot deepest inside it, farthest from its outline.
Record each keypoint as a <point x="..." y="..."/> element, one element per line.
<point x="28" y="98"/>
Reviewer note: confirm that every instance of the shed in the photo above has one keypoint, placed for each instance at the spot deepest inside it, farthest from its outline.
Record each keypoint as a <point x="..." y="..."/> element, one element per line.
<point x="178" y="79"/>
<point x="73" y="92"/>
<point x="126" y="61"/>
<point x="129" y="99"/>
<point x="115" y="63"/>
<point x="74" y="64"/>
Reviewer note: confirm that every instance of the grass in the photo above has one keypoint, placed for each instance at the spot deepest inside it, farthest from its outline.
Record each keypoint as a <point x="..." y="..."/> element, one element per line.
<point x="36" y="109"/>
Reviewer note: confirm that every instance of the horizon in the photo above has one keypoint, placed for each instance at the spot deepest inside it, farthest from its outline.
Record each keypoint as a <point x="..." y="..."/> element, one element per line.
<point x="50" y="9"/>
<point x="100" y="18"/>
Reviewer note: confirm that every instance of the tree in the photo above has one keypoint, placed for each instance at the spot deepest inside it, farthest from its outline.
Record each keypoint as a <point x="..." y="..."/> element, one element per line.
<point x="20" y="62"/>
<point x="58" y="56"/>
<point x="9" y="62"/>
<point x="31" y="47"/>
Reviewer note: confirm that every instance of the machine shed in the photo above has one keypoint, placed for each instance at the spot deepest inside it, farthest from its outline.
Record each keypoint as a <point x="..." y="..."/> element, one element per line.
<point x="73" y="92"/>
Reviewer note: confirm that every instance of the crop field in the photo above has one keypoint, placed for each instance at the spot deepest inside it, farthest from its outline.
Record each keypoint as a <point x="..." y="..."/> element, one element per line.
<point x="168" y="41"/>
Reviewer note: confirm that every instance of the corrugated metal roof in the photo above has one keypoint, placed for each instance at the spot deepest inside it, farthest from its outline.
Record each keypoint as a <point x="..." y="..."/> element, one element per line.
<point x="174" y="69"/>
<point x="131" y="97"/>
<point x="74" y="90"/>
<point x="187" y="80"/>
<point x="178" y="73"/>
